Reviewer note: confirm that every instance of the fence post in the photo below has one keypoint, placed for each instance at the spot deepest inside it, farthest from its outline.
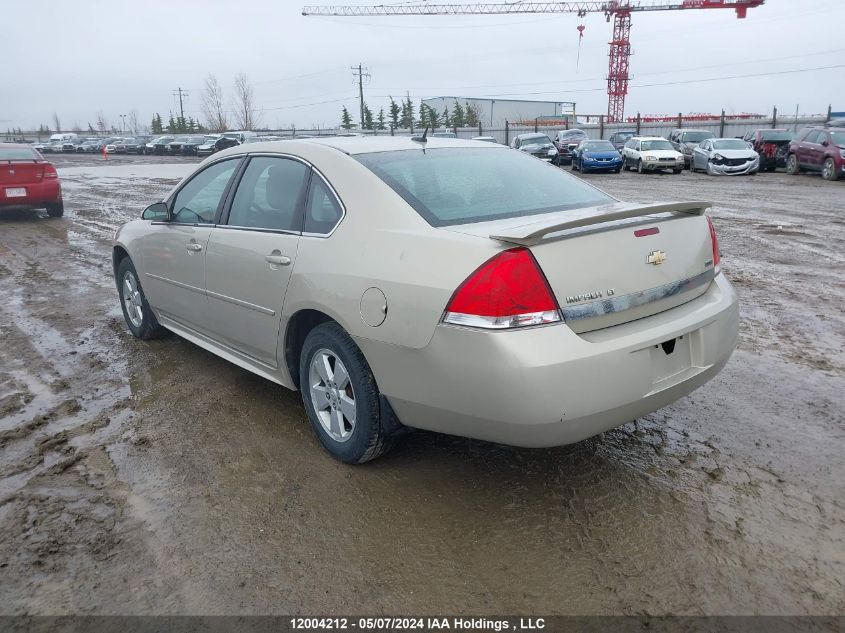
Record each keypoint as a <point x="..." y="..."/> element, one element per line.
<point x="680" y="119"/>
<point x="479" y="129"/>
<point x="722" y="125"/>
<point x="293" y="131"/>
<point x="507" y="133"/>
<point x="638" y="123"/>
<point x="601" y="126"/>
<point x="829" y="112"/>
<point x="535" y="125"/>
<point x="775" y="117"/>
<point x="455" y="129"/>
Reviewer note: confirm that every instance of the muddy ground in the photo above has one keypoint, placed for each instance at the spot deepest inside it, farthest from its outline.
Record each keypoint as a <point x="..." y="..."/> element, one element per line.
<point x="157" y="478"/>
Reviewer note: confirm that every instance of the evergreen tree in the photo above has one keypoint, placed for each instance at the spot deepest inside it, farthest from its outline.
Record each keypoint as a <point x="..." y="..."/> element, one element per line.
<point x="395" y="111"/>
<point x="191" y="127"/>
<point x="458" y="115"/>
<point x="447" y="122"/>
<point x="380" y="120"/>
<point x="171" y="124"/>
<point x="471" y="119"/>
<point x="407" y="115"/>
<point x="345" y="119"/>
<point x="368" y="118"/>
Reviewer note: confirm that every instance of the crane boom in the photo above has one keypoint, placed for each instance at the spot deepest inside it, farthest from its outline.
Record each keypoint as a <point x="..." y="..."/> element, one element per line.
<point x="619" y="10"/>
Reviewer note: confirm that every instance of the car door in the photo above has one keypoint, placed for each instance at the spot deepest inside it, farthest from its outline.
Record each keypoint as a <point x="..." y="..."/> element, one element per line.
<point x="173" y="252"/>
<point x="805" y="146"/>
<point x="251" y="253"/>
<point x="816" y="150"/>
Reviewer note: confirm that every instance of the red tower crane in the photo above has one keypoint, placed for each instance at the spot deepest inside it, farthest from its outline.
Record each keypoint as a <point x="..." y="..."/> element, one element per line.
<point x="619" y="10"/>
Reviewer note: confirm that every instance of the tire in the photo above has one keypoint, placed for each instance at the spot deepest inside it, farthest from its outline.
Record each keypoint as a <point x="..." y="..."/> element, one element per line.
<point x="616" y="171"/>
<point x="143" y="323"/>
<point x="829" y="171"/>
<point x="677" y="171"/>
<point x="56" y="210"/>
<point x="371" y="434"/>
<point x="792" y="167"/>
<point x="572" y="167"/>
<point x="640" y="166"/>
<point x="692" y="166"/>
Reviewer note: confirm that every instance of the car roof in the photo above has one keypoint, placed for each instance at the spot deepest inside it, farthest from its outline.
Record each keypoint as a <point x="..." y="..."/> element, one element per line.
<point x="357" y="144"/>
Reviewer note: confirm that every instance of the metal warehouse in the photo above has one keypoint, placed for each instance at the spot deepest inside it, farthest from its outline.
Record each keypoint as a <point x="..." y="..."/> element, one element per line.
<point x="497" y="111"/>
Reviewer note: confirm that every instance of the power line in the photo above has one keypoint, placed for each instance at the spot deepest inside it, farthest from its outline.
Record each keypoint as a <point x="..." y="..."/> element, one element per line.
<point x="181" y="93"/>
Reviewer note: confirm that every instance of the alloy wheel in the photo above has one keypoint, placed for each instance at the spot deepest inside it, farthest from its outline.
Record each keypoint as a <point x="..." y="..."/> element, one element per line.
<point x="132" y="299"/>
<point x="332" y="395"/>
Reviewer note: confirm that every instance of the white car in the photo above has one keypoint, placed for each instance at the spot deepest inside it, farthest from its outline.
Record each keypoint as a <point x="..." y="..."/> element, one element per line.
<point x="725" y="157"/>
<point x="651" y="153"/>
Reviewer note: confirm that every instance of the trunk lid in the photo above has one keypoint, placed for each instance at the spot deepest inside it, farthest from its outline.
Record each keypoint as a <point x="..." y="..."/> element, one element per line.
<point x="617" y="263"/>
<point x="20" y="172"/>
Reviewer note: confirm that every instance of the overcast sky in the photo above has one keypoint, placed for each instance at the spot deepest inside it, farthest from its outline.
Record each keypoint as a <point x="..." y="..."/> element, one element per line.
<point x="76" y="57"/>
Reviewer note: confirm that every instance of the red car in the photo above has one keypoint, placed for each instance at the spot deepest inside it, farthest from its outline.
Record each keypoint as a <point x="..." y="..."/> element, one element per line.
<point x="27" y="181"/>
<point x="818" y="149"/>
<point x="771" y="145"/>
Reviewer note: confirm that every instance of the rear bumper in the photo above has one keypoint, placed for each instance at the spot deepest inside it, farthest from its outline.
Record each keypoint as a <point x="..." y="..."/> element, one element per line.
<point x="548" y="386"/>
<point x="37" y="195"/>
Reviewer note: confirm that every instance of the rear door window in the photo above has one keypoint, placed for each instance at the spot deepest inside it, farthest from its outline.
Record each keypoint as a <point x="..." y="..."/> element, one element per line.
<point x="269" y="195"/>
<point x="322" y="211"/>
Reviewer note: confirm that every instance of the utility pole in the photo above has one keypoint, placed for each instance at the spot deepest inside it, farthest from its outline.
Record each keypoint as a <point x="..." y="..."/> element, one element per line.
<point x="123" y="123"/>
<point x="359" y="72"/>
<point x="180" y="93"/>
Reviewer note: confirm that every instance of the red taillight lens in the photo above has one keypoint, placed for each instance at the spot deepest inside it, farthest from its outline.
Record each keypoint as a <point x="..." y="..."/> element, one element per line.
<point x="509" y="290"/>
<point x="715" y="241"/>
<point x="50" y="171"/>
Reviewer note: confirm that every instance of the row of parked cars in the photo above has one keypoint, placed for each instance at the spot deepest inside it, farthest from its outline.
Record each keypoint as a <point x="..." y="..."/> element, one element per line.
<point x="815" y="148"/>
<point x="183" y="145"/>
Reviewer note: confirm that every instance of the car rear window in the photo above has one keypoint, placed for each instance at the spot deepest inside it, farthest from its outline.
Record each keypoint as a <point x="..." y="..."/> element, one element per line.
<point x="18" y="153"/>
<point x="776" y="135"/>
<point x="465" y="185"/>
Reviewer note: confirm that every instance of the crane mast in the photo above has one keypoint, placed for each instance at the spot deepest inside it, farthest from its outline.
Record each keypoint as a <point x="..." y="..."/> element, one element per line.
<point x="620" y="10"/>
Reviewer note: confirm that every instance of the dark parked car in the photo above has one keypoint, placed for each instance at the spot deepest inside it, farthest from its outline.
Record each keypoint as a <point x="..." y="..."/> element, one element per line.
<point x="537" y="144"/>
<point x="596" y="156"/>
<point x="772" y="145"/>
<point x="189" y="147"/>
<point x="158" y="145"/>
<point x="620" y="138"/>
<point x="565" y="142"/>
<point x="137" y="145"/>
<point x="818" y="149"/>
<point x="213" y="145"/>
<point x="685" y="141"/>
<point x="175" y="146"/>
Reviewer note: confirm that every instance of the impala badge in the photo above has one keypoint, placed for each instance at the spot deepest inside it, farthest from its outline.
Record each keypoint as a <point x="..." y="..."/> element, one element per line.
<point x="656" y="258"/>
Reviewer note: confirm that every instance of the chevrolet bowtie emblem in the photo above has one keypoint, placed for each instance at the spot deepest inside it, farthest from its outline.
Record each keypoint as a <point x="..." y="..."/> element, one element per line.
<point x="656" y="258"/>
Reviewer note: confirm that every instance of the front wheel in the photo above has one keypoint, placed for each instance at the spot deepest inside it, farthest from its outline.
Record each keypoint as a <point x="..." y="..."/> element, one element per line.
<point x="640" y="166"/>
<point x="341" y="397"/>
<point x="829" y="171"/>
<point x="792" y="165"/>
<point x="137" y="313"/>
<point x="677" y="171"/>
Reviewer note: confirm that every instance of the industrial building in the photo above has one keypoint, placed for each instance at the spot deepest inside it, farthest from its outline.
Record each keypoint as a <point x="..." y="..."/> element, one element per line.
<point x="495" y="112"/>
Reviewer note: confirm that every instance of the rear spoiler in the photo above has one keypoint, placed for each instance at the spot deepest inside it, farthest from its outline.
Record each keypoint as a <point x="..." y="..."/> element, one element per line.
<point x="529" y="234"/>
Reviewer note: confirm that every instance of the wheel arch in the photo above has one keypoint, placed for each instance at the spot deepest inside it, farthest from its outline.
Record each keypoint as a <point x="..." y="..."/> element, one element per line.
<point x="298" y="326"/>
<point x="118" y="254"/>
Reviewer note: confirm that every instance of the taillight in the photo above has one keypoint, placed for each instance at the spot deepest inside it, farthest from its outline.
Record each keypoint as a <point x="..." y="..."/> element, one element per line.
<point x="50" y="171"/>
<point x="715" y="241"/>
<point x="507" y="291"/>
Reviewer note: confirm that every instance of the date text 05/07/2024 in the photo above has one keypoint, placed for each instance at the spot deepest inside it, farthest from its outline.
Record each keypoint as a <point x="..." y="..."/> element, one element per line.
<point x="417" y="624"/>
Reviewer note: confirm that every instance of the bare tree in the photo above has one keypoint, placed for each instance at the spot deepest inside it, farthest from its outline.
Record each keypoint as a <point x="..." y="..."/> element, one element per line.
<point x="102" y="122"/>
<point x="213" y="105"/>
<point x="245" y="112"/>
<point x="56" y="122"/>
<point x="133" y="122"/>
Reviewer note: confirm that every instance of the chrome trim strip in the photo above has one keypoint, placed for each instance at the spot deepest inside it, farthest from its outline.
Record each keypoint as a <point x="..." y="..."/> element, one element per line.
<point x="613" y="305"/>
<point x="179" y="284"/>
<point x="241" y="303"/>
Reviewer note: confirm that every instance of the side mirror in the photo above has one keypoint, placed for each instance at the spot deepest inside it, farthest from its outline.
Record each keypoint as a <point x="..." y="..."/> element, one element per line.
<point x="825" y="143"/>
<point x="157" y="212"/>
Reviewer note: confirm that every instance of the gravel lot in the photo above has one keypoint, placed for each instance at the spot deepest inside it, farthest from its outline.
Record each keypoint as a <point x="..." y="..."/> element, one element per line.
<point x="156" y="478"/>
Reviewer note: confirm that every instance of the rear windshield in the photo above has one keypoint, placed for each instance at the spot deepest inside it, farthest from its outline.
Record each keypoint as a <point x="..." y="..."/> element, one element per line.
<point x="776" y="135"/>
<point x="18" y="153"/>
<point x="539" y="139"/>
<point x="464" y="185"/>
<point x="730" y="143"/>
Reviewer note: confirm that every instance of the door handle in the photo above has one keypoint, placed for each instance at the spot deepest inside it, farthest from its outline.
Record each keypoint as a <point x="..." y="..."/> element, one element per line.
<point x="279" y="260"/>
<point x="194" y="247"/>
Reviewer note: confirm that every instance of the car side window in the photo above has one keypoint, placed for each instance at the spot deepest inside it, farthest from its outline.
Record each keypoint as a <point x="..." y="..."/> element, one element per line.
<point x="822" y="137"/>
<point x="322" y="211"/>
<point x="812" y="136"/>
<point x="197" y="201"/>
<point x="269" y="195"/>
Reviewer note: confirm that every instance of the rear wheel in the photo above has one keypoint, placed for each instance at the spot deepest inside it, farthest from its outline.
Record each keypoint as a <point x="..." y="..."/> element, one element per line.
<point x="677" y="171"/>
<point x="829" y="171"/>
<point x="341" y="397"/>
<point x="136" y="311"/>
<point x="792" y="165"/>
<point x="56" y="210"/>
